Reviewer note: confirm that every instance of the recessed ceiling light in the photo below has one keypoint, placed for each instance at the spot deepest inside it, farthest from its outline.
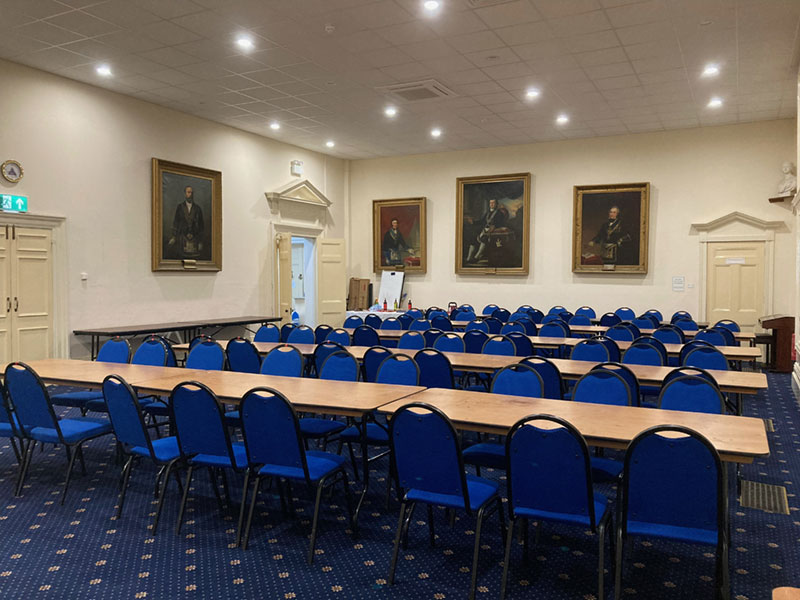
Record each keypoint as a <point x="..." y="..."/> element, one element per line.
<point x="104" y="70"/>
<point x="330" y="143"/>
<point x="390" y="111"/>
<point x="436" y="132"/>
<point x="532" y="93"/>
<point x="430" y="5"/>
<point x="245" y="43"/>
<point x="711" y="70"/>
<point x="275" y="125"/>
<point x="562" y="119"/>
<point x="715" y="102"/>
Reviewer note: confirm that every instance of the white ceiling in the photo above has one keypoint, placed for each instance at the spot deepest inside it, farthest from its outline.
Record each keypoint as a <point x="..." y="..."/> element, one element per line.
<point x="614" y="66"/>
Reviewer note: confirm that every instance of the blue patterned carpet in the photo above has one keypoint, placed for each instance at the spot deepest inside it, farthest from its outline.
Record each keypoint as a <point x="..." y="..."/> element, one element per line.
<point x="80" y="550"/>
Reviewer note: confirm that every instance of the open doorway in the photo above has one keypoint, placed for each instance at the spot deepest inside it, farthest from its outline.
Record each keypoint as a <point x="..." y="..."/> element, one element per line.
<point x="304" y="278"/>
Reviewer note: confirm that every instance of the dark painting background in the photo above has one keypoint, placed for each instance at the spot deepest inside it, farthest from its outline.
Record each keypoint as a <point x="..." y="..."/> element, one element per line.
<point x="408" y="223"/>
<point x="595" y="216"/>
<point x="172" y="186"/>
<point x="476" y="198"/>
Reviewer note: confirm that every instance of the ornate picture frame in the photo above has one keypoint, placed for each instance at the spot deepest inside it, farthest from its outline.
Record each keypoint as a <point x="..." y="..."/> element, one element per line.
<point x="399" y="235"/>
<point x="186" y="218"/>
<point x="493" y="223"/>
<point x="611" y="226"/>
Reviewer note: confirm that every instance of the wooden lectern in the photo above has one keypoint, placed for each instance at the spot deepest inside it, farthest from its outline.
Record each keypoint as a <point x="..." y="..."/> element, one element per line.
<point x="782" y="329"/>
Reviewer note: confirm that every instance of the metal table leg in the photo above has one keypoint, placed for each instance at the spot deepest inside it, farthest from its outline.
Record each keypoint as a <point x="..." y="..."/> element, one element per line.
<point x="365" y="463"/>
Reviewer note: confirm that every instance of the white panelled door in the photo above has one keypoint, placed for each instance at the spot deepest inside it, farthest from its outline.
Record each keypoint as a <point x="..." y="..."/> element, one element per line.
<point x="26" y="293"/>
<point x="332" y="283"/>
<point x="735" y="284"/>
<point x="284" y="272"/>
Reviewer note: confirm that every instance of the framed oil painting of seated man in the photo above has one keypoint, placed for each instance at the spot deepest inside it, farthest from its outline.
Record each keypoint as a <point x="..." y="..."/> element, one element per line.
<point x="398" y="238"/>
<point x="493" y="224"/>
<point x="611" y="228"/>
<point x="187" y="218"/>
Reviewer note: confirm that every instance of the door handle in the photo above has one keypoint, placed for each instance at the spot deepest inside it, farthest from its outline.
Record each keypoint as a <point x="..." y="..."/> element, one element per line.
<point x="16" y="304"/>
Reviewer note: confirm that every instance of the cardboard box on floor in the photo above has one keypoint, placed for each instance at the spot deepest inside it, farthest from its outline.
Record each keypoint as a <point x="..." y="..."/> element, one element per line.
<point x="358" y="294"/>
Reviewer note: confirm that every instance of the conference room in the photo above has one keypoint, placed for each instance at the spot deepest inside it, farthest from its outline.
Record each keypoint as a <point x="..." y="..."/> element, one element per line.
<point x="399" y="298"/>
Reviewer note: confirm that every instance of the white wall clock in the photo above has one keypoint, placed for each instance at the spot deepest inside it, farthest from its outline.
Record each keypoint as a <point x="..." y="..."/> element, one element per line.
<point x="12" y="171"/>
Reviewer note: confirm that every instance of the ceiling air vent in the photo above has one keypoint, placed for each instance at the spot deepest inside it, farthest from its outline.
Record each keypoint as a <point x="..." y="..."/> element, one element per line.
<point x="417" y="91"/>
<point x="482" y="3"/>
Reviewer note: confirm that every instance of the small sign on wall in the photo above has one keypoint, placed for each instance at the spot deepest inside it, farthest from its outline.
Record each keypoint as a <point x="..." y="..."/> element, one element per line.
<point x="9" y="203"/>
<point x="678" y="283"/>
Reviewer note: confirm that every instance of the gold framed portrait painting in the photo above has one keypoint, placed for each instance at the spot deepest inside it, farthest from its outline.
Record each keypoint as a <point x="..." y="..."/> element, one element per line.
<point x="493" y="224"/>
<point x="611" y="228"/>
<point x="399" y="236"/>
<point x="187" y="218"/>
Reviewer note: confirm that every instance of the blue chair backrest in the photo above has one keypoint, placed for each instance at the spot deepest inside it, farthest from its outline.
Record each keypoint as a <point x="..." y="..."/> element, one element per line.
<point x="728" y="324"/>
<point x="657" y="314"/>
<point x="449" y="342"/>
<point x="268" y="333"/>
<point x="511" y="326"/>
<point x="706" y="358"/>
<point x="441" y="322"/>
<point x="625" y="372"/>
<point x="602" y="387"/>
<point x="681" y="314"/>
<point x="152" y="352"/>
<point x="463" y="315"/>
<point x="494" y="325"/>
<point x="474" y="341"/>
<point x="411" y="340"/>
<point x="711" y="336"/>
<point x="435" y="311"/>
<point x="124" y="413"/>
<point x="392" y="324"/>
<point x="609" y="319"/>
<point x="522" y="343"/>
<point x="561" y="483"/>
<point x="632" y="328"/>
<point x="519" y="314"/>
<point x="405" y="320"/>
<point x="642" y="354"/>
<point x="435" y="370"/>
<point x="686" y="325"/>
<point x="353" y="321"/>
<point x="620" y="333"/>
<point x="555" y="328"/>
<point x="29" y="398"/>
<point x="198" y="419"/>
<point x="644" y="323"/>
<point x="689" y="371"/>
<point x="499" y="345"/>
<point x="625" y="313"/>
<point x="207" y="355"/>
<point x="518" y="380"/>
<point x="586" y="311"/>
<point x="420" y="325"/>
<point x="692" y="394"/>
<point x="286" y="330"/>
<point x="668" y="334"/>
<point x="430" y="336"/>
<point x="580" y="320"/>
<point x="321" y="333"/>
<point x="691" y="345"/>
<point x="324" y="350"/>
<point x="674" y="482"/>
<point x="271" y="430"/>
<point x="650" y="340"/>
<point x="489" y="309"/>
<point x="501" y="314"/>
<point x="339" y="366"/>
<point x="398" y="369"/>
<point x="553" y="384"/>
<point x="477" y="326"/>
<point x="727" y="335"/>
<point x="301" y="335"/>
<point x="242" y="356"/>
<point x="340" y="336"/>
<point x="415" y="437"/>
<point x="556" y="310"/>
<point x="524" y="308"/>
<point x="365" y="335"/>
<point x="373" y="321"/>
<point x="115" y="350"/>
<point x="590" y="350"/>
<point x="283" y="361"/>
<point x="373" y="357"/>
<point x="536" y="315"/>
<point x="552" y="317"/>
<point x="415" y="313"/>
<point x="527" y="324"/>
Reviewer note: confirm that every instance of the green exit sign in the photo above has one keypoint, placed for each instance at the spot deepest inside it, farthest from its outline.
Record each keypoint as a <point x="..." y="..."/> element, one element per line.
<point x="11" y="203"/>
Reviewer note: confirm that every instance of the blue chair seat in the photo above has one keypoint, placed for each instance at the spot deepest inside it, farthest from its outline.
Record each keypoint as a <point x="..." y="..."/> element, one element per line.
<point x="76" y="399"/>
<point x="702" y="536"/>
<point x="480" y="491"/>
<point x="605" y="469"/>
<point x="72" y="430"/>
<point x="312" y="427"/>
<point x="99" y="404"/>
<point x="600" y="507"/>
<point x="213" y="460"/>
<point x="6" y="430"/>
<point x="486" y="454"/>
<point x="166" y="449"/>
<point x="156" y="408"/>
<point x="320" y="464"/>
<point x="376" y="435"/>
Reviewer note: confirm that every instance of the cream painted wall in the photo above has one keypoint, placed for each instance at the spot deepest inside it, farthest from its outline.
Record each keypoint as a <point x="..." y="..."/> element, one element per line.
<point x="86" y="154"/>
<point x="696" y="175"/>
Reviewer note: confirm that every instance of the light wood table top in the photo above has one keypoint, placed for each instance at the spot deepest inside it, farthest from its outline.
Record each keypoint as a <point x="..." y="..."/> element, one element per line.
<point x="262" y="347"/>
<point x="786" y="593"/>
<point x="91" y="374"/>
<point x="739" y="335"/>
<point x="737" y="439"/>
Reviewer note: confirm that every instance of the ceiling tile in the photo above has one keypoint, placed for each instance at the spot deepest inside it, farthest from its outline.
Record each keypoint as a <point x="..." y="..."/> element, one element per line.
<point x="564" y="8"/>
<point x="167" y="33"/>
<point x="524" y="33"/>
<point x="43" y="31"/>
<point x="474" y="42"/>
<point x="639" y="13"/>
<point x="508" y="13"/>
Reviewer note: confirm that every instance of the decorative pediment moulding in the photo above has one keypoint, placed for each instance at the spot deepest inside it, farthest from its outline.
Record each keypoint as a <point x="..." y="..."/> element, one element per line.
<point x="301" y="192"/>
<point x="739" y="226"/>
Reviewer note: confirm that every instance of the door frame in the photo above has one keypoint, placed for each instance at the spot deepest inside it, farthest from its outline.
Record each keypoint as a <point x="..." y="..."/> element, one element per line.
<point x="58" y="253"/>
<point x="292" y="230"/>
<point x="760" y="231"/>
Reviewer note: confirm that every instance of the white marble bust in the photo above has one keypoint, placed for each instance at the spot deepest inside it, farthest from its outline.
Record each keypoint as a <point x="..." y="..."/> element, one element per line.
<point x="788" y="186"/>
